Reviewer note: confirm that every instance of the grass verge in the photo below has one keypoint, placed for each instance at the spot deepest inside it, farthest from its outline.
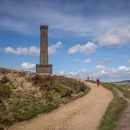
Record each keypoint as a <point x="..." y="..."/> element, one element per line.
<point x="114" y="110"/>
<point x="124" y="89"/>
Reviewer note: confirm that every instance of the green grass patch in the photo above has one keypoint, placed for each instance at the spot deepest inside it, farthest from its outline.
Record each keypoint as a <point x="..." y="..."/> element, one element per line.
<point x="114" y="110"/>
<point x="23" y="108"/>
<point x="62" y="89"/>
<point x="20" y="112"/>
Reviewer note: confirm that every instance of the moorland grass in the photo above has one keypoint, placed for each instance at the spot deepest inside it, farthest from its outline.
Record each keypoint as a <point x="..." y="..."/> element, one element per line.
<point x="46" y="93"/>
<point x="114" y="110"/>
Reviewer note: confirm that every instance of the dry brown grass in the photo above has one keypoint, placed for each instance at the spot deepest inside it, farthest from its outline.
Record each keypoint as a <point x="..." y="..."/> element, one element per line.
<point x="30" y="94"/>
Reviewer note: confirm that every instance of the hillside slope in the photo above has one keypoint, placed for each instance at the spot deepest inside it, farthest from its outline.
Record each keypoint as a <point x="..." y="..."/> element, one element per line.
<point x="84" y="113"/>
<point x="24" y="95"/>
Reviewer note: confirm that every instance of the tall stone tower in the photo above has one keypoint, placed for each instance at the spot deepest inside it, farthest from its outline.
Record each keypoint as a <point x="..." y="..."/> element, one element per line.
<point x="44" y="67"/>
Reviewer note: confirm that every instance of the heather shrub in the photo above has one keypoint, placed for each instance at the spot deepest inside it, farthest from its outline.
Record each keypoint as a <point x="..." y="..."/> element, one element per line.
<point x="5" y="91"/>
<point x="4" y="80"/>
<point x="62" y="89"/>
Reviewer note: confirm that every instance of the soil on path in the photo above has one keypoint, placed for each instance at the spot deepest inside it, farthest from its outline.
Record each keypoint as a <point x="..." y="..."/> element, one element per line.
<point x="84" y="113"/>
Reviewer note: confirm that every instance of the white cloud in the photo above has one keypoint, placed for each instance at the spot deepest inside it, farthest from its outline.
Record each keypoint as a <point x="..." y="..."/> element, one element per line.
<point x="76" y="74"/>
<point x="103" y="72"/>
<point x="32" y="50"/>
<point x="87" y="61"/>
<point x="86" y="49"/>
<point x="123" y="68"/>
<point x="100" y="66"/>
<point x="27" y="65"/>
<point x="53" y="48"/>
<point x="22" y="51"/>
<point x="116" y="37"/>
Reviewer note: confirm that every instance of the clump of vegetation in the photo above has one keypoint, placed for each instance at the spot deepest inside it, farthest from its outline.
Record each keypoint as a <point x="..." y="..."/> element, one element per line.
<point x="5" y="91"/>
<point x="114" y="110"/>
<point x="1" y="127"/>
<point x="26" y="106"/>
<point x="4" y="71"/>
<point x="62" y="89"/>
<point x="4" y="80"/>
<point x="74" y="84"/>
<point x="44" y="82"/>
<point x="47" y="82"/>
<point x="44" y="93"/>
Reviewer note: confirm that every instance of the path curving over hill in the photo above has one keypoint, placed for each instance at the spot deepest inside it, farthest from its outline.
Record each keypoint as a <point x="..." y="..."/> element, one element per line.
<point x="84" y="113"/>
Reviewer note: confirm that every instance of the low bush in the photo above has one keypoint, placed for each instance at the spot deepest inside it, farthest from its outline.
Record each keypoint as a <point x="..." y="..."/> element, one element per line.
<point x="4" y="80"/>
<point x="5" y="91"/>
<point x="62" y="89"/>
<point x="75" y="85"/>
<point x="44" y="83"/>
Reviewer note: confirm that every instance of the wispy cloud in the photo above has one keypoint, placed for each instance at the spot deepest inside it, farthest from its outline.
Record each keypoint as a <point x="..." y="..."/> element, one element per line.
<point x="27" y="66"/>
<point x="19" y="26"/>
<point x="102" y="72"/>
<point x="85" y="49"/>
<point x="53" y="48"/>
<point x="115" y="37"/>
<point x="33" y="50"/>
<point x="87" y="21"/>
<point x="23" y="51"/>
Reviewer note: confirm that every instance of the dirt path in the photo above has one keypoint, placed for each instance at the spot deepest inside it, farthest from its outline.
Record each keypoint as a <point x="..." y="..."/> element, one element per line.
<point x="84" y="113"/>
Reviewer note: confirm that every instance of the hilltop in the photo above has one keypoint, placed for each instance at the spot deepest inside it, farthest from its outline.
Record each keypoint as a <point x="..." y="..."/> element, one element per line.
<point x="23" y="95"/>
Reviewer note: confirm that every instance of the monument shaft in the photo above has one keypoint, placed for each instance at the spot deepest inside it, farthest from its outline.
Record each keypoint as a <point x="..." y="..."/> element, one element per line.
<point x="44" y="45"/>
<point x="44" y="67"/>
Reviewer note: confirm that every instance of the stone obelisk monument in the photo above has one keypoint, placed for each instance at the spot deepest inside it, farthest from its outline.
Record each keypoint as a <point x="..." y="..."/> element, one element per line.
<point x="44" y="67"/>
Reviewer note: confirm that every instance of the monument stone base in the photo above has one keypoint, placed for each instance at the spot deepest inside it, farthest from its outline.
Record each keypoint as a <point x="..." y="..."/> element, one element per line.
<point x="44" y="68"/>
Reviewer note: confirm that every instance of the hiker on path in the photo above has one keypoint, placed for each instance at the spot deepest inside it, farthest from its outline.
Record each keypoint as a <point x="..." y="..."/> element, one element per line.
<point x="98" y="82"/>
<point x="87" y="78"/>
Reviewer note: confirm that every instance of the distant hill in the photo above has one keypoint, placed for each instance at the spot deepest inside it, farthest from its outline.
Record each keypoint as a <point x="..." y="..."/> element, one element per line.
<point x="125" y="82"/>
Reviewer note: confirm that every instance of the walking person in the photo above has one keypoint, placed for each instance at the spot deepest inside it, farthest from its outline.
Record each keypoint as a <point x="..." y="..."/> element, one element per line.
<point x="98" y="82"/>
<point x="87" y="78"/>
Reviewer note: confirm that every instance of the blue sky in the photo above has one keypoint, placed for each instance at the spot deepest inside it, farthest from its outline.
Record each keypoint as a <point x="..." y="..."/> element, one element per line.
<point x="86" y="37"/>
